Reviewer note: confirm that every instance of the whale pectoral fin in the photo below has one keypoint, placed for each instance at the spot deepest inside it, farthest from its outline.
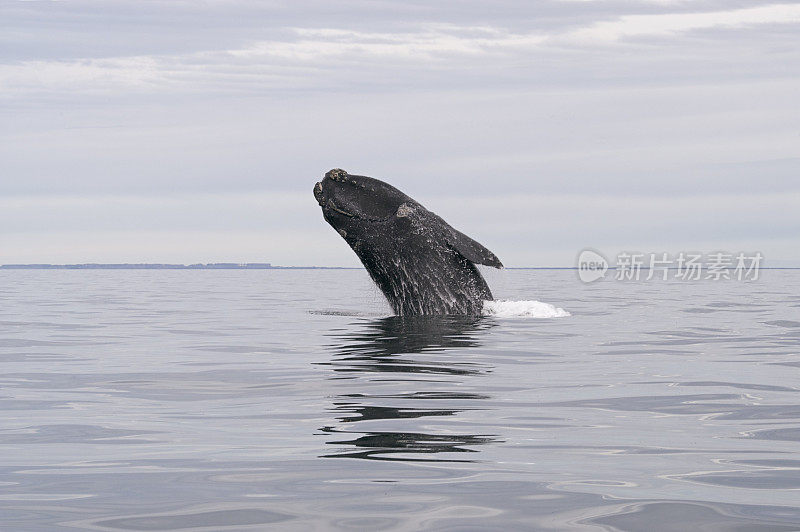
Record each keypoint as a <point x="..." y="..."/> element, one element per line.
<point x="472" y="250"/>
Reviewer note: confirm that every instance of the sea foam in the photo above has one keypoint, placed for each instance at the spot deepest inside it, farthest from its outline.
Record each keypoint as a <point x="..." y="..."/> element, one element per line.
<point x="522" y="309"/>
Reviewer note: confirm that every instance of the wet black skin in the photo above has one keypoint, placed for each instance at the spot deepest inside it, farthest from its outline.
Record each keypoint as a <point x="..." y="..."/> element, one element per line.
<point x="421" y="264"/>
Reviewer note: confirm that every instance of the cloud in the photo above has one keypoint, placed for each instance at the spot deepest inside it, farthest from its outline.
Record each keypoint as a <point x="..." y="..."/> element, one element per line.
<point x="328" y="57"/>
<point x="431" y="42"/>
<point x="672" y="24"/>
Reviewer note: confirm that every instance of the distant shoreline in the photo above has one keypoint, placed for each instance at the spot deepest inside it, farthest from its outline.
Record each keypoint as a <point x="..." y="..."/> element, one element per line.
<point x="160" y="266"/>
<point x="250" y="266"/>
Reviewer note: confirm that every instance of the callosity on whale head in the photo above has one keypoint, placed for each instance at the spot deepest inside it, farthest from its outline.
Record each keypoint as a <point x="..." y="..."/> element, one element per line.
<point x="420" y="263"/>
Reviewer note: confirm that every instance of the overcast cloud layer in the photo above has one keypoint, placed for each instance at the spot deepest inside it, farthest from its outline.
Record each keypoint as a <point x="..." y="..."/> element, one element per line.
<point x="190" y="131"/>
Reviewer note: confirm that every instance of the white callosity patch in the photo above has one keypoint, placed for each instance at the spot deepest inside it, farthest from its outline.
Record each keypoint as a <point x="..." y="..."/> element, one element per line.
<point x="404" y="210"/>
<point x="522" y="309"/>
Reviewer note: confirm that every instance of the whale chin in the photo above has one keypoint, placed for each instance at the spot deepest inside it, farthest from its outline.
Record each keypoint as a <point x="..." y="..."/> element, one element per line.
<point x="318" y="194"/>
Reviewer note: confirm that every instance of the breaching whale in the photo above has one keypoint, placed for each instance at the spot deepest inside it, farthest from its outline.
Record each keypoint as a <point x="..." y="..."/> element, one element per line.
<point x="421" y="264"/>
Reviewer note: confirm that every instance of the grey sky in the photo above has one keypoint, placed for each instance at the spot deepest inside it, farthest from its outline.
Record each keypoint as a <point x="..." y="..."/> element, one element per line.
<point x="194" y="131"/>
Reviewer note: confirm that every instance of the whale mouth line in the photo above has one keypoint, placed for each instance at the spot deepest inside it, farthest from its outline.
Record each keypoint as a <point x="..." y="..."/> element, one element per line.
<point x="329" y="205"/>
<point x="332" y="206"/>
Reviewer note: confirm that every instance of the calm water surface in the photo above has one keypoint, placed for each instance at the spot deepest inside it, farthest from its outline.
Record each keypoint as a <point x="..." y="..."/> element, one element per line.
<point x="288" y="400"/>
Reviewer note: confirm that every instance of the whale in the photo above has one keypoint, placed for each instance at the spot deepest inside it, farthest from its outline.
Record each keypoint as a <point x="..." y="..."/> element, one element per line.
<point x="421" y="264"/>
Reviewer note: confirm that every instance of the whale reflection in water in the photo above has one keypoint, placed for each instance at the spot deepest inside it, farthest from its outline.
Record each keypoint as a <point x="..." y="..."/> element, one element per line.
<point x="398" y="372"/>
<point x="384" y="345"/>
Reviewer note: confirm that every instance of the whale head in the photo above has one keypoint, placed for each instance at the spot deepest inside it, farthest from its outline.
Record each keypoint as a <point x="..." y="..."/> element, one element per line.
<point x="357" y="203"/>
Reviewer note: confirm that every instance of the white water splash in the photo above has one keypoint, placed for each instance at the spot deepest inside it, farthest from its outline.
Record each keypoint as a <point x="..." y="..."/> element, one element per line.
<point x="522" y="309"/>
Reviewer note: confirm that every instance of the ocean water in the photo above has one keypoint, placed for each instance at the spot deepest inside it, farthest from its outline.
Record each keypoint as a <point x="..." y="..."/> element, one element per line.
<point x="291" y="400"/>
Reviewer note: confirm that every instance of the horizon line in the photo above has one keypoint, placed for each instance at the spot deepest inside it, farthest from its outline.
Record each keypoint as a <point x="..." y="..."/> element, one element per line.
<point x="259" y="266"/>
<point x="204" y="266"/>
